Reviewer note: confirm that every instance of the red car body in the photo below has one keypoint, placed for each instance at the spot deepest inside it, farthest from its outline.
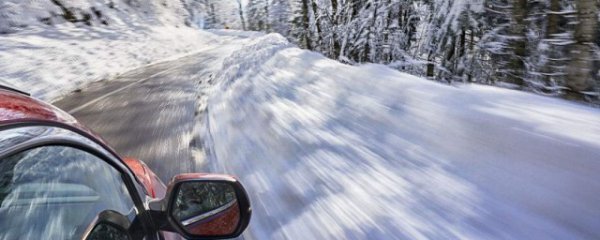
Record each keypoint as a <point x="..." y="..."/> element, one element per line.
<point x="19" y="108"/>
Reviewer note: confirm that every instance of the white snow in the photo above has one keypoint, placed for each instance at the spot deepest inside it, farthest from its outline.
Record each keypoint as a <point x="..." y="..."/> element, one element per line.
<point x="49" y="61"/>
<point x="53" y="61"/>
<point x="330" y="151"/>
<point x="16" y="15"/>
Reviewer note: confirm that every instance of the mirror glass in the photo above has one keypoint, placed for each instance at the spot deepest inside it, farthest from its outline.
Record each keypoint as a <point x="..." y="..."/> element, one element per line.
<point x="204" y="208"/>
<point x="107" y="231"/>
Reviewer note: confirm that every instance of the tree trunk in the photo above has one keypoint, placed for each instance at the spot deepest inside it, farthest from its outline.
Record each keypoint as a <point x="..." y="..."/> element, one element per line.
<point x="370" y="50"/>
<point x="318" y="25"/>
<point x="267" y="17"/>
<point x="451" y="50"/>
<point x="306" y="26"/>
<point x="463" y="43"/>
<point x="472" y="52"/>
<point x="430" y="66"/>
<point x="519" y="44"/>
<point x="459" y="66"/>
<point x="335" y="25"/>
<point x="553" y="19"/>
<point x="241" y="12"/>
<point x="581" y="64"/>
<point x="213" y="15"/>
<point x="551" y="31"/>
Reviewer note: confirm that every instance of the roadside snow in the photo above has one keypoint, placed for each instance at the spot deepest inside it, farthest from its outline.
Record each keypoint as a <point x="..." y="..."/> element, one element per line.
<point x="330" y="151"/>
<point x="49" y="62"/>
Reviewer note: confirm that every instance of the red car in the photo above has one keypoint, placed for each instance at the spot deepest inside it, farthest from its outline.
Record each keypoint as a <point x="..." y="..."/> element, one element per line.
<point x="59" y="180"/>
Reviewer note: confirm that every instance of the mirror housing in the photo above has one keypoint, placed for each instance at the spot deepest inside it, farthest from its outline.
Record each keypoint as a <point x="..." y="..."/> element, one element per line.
<point x="203" y="206"/>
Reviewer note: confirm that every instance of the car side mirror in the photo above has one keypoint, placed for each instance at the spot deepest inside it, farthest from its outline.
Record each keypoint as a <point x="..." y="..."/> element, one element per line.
<point x="204" y="206"/>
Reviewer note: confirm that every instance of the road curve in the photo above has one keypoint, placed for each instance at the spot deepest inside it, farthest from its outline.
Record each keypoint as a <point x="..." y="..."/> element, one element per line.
<point x="149" y="113"/>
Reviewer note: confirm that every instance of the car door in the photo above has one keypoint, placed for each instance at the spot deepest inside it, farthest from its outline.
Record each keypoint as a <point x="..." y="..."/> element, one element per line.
<point x="57" y="183"/>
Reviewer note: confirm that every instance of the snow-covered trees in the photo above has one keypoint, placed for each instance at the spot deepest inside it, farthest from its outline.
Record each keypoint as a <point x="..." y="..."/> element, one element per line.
<point x="545" y="46"/>
<point x="215" y="13"/>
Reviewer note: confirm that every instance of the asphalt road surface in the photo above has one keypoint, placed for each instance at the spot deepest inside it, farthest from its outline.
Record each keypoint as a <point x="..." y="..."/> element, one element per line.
<point x="150" y="113"/>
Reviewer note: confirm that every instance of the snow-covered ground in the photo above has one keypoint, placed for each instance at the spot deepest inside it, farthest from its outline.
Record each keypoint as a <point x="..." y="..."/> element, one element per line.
<point x="330" y="151"/>
<point x="53" y="47"/>
<point x="49" y="62"/>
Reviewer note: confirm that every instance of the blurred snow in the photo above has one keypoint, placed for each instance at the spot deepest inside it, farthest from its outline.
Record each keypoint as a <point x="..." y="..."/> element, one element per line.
<point x="49" y="62"/>
<point x="46" y="54"/>
<point x="16" y="15"/>
<point x="330" y="151"/>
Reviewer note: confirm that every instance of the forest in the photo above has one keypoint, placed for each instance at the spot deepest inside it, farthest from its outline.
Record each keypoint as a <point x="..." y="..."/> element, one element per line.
<point x="549" y="47"/>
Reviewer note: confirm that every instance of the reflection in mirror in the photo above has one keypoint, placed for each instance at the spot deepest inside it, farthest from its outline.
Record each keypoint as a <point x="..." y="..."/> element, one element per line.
<point x="206" y="208"/>
<point x="106" y="231"/>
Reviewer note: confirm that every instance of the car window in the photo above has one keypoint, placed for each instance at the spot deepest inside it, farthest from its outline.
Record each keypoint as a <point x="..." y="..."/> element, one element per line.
<point x="55" y="192"/>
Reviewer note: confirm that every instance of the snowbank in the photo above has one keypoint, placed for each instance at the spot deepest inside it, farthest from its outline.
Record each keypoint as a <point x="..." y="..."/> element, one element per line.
<point x="49" y="62"/>
<point x="329" y="151"/>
